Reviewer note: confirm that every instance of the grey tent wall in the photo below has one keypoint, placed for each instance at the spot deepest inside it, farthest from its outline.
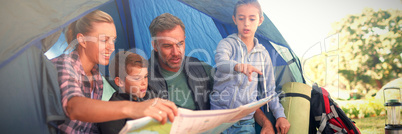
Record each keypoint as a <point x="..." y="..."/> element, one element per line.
<point x="30" y="94"/>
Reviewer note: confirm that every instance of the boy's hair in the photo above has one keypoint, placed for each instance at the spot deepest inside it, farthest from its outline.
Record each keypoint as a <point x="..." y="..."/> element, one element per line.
<point x="164" y="22"/>
<point x="118" y="66"/>
<point x="245" y="2"/>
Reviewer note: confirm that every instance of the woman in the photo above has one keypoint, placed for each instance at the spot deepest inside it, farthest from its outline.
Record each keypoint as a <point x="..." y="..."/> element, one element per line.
<point x="92" y="39"/>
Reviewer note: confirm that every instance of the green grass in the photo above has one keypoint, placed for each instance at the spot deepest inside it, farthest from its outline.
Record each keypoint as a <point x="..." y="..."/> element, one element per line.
<point x="371" y="125"/>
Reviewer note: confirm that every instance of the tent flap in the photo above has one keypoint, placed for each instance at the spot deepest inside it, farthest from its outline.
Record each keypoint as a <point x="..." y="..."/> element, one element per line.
<point x="30" y="94"/>
<point x="33" y="20"/>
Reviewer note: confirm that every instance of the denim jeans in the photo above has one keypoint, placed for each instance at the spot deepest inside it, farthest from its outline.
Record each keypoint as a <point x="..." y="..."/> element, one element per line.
<point x="242" y="127"/>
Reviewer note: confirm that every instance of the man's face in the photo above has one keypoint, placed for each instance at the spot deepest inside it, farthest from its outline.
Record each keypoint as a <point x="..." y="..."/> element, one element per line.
<point x="170" y="46"/>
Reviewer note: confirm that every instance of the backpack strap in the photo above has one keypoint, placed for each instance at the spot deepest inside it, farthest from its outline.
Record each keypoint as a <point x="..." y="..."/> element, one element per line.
<point x="324" y="119"/>
<point x="294" y="95"/>
<point x="338" y="129"/>
<point x="323" y="122"/>
<point x="333" y="111"/>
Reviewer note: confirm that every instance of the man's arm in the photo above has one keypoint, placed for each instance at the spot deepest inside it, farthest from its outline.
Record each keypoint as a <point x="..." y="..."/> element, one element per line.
<point x="90" y="110"/>
<point x="262" y="120"/>
<point x="282" y="125"/>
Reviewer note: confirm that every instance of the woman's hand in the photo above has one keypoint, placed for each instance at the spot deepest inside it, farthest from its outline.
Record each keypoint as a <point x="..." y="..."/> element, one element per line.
<point x="159" y="109"/>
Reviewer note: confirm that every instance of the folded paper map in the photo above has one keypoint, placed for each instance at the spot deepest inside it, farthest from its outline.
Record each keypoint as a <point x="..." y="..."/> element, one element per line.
<point x="189" y="121"/>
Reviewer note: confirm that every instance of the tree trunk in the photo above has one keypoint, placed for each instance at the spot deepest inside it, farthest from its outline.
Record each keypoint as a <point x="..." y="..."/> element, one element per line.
<point x="379" y="84"/>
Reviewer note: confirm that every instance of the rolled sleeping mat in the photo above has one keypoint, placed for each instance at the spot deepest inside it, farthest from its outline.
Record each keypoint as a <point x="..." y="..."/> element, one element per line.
<point x="296" y="102"/>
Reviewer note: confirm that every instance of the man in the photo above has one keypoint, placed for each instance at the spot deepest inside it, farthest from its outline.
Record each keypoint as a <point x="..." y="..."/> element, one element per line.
<point x="184" y="80"/>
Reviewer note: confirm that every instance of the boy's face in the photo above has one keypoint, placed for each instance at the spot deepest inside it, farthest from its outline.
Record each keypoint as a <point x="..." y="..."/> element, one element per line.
<point x="247" y="20"/>
<point x="136" y="81"/>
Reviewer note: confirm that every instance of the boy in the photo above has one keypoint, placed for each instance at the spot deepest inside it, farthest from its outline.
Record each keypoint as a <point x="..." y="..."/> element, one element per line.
<point x="130" y="74"/>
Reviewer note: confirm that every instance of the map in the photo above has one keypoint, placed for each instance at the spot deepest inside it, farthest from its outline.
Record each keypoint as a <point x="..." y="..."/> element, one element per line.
<point x="146" y="125"/>
<point x="189" y="121"/>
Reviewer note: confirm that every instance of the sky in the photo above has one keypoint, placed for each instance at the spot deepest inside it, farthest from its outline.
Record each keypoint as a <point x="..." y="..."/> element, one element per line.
<point x="306" y="23"/>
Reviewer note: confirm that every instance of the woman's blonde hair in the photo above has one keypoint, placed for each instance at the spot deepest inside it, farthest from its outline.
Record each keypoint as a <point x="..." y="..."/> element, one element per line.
<point x="84" y="25"/>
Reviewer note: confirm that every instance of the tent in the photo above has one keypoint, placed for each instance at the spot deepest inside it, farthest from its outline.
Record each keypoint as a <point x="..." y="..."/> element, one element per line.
<point x="30" y="97"/>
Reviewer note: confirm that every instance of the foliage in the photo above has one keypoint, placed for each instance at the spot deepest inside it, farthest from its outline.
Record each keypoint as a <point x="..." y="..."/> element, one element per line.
<point x="369" y="49"/>
<point x="371" y="125"/>
<point x="370" y="107"/>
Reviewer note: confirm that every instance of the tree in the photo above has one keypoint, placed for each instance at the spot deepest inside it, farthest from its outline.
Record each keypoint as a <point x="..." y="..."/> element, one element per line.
<point x="370" y="50"/>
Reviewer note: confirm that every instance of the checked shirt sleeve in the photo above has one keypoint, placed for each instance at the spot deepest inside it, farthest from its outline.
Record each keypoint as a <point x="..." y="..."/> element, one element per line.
<point x="69" y="80"/>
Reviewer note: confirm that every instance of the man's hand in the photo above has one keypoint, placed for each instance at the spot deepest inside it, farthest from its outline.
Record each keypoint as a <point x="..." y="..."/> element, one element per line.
<point x="282" y="125"/>
<point x="247" y="69"/>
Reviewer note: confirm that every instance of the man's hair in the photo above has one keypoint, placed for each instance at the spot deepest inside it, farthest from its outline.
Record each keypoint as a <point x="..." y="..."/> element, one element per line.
<point x="164" y="22"/>
<point x="246" y="2"/>
<point x="118" y="66"/>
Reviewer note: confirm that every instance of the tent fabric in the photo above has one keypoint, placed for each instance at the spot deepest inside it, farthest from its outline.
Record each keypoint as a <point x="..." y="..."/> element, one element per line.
<point x="30" y="98"/>
<point x="30" y="94"/>
<point x="292" y="61"/>
<point x="125" y="19"/>
<point x="30" y="21"/>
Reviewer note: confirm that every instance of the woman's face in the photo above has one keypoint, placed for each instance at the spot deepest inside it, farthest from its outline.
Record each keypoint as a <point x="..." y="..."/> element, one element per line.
<point x="100" y="42"/>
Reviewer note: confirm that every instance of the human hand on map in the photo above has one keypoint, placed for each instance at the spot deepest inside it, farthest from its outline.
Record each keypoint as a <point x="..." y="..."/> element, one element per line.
<point x="159" y="109"/>
<point x="247" y="69"/>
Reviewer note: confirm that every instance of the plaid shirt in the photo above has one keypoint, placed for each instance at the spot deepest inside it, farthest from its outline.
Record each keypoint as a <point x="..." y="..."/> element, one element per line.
<point x="74" y="82"/>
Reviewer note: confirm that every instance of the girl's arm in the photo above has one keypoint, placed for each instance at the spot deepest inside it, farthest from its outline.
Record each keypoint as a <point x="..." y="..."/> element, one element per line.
<point x="223" y="60"/>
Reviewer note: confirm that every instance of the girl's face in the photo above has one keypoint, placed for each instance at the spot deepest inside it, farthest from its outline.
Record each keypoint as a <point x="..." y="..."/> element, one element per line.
<point x="136" y="81"/>
<point x="247" y="20"/>
<point x="99" y="42"/>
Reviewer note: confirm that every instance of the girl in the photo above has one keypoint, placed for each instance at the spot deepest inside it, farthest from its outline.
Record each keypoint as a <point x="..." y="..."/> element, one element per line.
<point x="237" y="57"/>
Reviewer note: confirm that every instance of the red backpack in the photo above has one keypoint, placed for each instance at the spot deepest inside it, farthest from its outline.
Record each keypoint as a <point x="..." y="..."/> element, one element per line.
<point x="326" y="116"/>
